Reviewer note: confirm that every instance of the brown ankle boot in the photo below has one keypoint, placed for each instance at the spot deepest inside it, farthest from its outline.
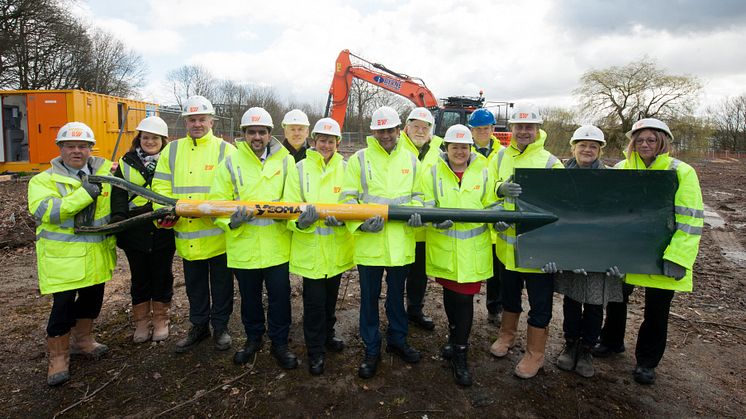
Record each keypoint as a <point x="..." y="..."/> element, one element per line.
<point x="506" y="337"/>
<point x="83" y="343"/>
<point x="160" y="321"/>
<point x="59" y="359"/>
<point x="141" y="317"/>
<point x="533" y="359"/>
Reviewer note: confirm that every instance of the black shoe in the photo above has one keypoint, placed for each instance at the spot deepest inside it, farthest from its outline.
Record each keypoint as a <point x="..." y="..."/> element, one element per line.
<point x="407" y="353"/>
<point x="584" y="365"/>
<point x="369" y="366"/>
<point x="250" y="348"/>
<point x="197" y="333"/>
<point x="644" y="375"/>
<point x="285" y="359"/>
<point x="446" y="351"/>
<point x="222" y="339"/>
<point x="459" y="366"/>
<point x="335" y="344"/>
<point x="603" y="351"/>
<point x="568" y="358"/>
<point x="316" y="364"/>
<point x="422" y="321"/>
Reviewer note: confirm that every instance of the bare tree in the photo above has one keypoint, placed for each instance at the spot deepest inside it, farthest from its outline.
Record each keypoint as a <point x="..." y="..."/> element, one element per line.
<point x="111" y="67"/>
<point x="189" y="80"/>
<point x="559" y="124"/>
<point x="729" y="123"/>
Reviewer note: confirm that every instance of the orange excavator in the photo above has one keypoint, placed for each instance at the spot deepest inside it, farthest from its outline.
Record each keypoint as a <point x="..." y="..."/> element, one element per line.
<point x="449" y="111"/>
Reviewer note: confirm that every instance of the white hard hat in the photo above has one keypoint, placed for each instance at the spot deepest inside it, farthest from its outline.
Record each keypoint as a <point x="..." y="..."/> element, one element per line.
<point x="75" y="131"/>
<point x="154" y="125"/>
<point x="588" y="132"/>
<point x="458" y="134"/>
<point x="421" y="114"/>
<point x="257" y="116"/>
<point x="384" y="117"/>
<point x="295" y="117"/>
<point x="525" y="114"/>
<point x="197" y="105"/>
<point x="650" y="123"/>
<point x="326" y="126"/>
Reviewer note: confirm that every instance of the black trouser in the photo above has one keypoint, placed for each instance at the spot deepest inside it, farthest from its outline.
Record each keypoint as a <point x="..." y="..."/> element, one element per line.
<point x="460" y="311"/>
<point x="66" y="308"/>
<point x="612" y="334"/>
<point x="416" y="281"/>
<point x="152" y="277"/>
<point x="494" y="285"/>
<point x="371" y="278"/>
<point x="540" y="290"/>
<point x="250" y="284"/>
<point x="209" y="288"/>
<point x="582" y="321"/>
<point x="319" y="307"/>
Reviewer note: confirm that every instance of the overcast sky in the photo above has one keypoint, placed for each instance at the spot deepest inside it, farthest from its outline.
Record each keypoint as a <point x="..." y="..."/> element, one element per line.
<point x="519" y="51"/>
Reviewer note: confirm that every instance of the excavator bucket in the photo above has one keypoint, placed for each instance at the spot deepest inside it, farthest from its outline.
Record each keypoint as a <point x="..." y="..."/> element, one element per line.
<point x="607" y="218"/>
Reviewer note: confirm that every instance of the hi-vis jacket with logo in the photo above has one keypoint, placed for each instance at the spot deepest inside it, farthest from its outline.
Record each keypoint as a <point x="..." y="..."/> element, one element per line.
<point x="462" y="253"/>
<point x="496" y="147"/>
<point x="65" y="260"/>
<point x="374" y="176"/>
<point x="318" y="251"/>
<point x="502" y="167"/>
<point x="262" y="242"/>
<point x="689" y="214"/>
<point x="429" y="159"/>
<point x="185" y="171"/>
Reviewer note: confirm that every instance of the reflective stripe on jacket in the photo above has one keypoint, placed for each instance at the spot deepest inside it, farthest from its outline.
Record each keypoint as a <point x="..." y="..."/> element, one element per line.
<point x="133" y="175"/>
<point x="185" y="171"/>
<point x="319" y="251"/>
<point x="66" y="260"/>
<point x="262" y="242"/>
<point x="689" y="214"/>
<point x="462" y="253"/>
<point x="374" y="176"/>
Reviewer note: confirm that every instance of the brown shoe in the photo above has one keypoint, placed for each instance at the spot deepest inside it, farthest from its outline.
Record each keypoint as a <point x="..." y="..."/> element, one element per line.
<point x="160" y="320"/>
<point x="141" y="317"/>
<point x="59" y="360"/>
<point x="506" y="337"/>
<point x="533" y="359"/>
<point x="82" y="341"/>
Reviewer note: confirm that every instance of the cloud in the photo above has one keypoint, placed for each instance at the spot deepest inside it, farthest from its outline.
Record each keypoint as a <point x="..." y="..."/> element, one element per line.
<point x="142" y="40"/>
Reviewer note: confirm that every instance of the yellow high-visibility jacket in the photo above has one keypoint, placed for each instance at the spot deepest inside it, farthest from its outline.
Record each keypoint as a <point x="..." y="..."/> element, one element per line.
<point x="496" y="147"/>
<point x="374" y="176"/>
<point x="430" y="158"/>
<point x="65" y="260"/>
<point x="462" y="253"/>
<point x="185" y="171"/>
<point x="133" y="175"/>
<point x="502" y="168"/>
<point x="689" y="214"/>
<point x="262" y="242"/>
<point x="318" y="251"/>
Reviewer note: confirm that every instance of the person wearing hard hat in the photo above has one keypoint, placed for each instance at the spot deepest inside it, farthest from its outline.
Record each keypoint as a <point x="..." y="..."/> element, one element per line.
<point x="320" y="250"/>
<point x="185" y="171"/>
<point x="417" y="136"/>
<point x="526" y="150"/>
<point x="72" y="268"/>
<point x="649" y="149"/>
<point x="383" y="173"/>
<point x="295" y="127"/>
<point x="585" y="293"/>
<point x="459" y="255"/>
<point x="149" y="250"/>
<point x="258" y="248"/>
<point x="482" y="122"/>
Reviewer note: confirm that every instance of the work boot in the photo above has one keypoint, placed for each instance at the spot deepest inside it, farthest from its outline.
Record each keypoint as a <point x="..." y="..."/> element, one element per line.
<point x="197" y="333"/>
<point x="602" y="350"/>
<point x="584" y="367"/>
<point x="644" y="375"/>
<point x="407" y="353"/>
<point x="334" y="344"/>
<point x="569" y="356"/>
<point x="316" y="364"/>
<point x="369" y="366"/>
<point x="459" y="365"/>
<point x="506" y="337"/>
<point x="59" y="360"/>
<point x="244" y="354"/>
<point x="82" y="341"/>
<point x="446" y="351"/>
<point x="222" y="339"/>
<point x="422" y="321"/>
<point x="285" y="359"/>
<point x="160" y="320"/>
<point x="140" y="315"/>
<point x="533" y="359"/>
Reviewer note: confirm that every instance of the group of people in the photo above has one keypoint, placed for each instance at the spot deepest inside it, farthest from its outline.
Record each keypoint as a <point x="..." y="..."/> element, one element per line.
<point x="467" y="168"/>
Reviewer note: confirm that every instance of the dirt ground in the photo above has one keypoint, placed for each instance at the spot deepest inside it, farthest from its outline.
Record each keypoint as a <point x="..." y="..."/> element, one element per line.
<point x="703" y="372"/>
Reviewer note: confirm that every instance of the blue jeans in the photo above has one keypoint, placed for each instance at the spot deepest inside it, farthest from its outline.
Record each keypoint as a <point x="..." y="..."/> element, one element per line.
<point x="540" y="290"/>
<point x="370" y="291"/>
<point x="209" y="288"/>
<point x="277" y="280"/>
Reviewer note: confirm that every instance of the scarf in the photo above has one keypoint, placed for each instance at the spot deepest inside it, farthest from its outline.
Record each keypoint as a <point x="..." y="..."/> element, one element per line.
<point x="150" y="161"/>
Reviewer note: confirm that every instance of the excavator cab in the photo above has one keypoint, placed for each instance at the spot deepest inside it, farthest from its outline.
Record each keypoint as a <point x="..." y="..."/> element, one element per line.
<point x="456" y="110"/>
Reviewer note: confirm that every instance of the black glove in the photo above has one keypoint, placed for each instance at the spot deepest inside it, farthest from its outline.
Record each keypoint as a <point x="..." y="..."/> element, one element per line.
<point x="331" y="221"/>
<point x="241" y="216"/>
<point x="93" y="189"/>
<point x="614" y="272"/>
<point x="372" y="224"/>
<point x="674" y="270"/>
<point x="443" y="225"/>
<point x="509" y="189"/>
<point x="415" y="220"/>
<point x="307" y="217"/>
<point x="550" y="268"/>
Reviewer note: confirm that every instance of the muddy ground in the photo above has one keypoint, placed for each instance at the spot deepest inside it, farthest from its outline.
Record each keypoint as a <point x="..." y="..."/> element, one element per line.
<point x="702" y="372"/>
